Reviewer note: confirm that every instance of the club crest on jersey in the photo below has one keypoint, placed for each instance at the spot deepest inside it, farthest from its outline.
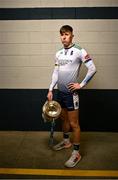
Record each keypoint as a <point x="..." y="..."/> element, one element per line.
<point x="71" y="53"/>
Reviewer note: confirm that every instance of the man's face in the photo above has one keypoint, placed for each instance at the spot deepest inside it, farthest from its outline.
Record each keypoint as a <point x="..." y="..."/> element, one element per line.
<point x="66" y="38"/>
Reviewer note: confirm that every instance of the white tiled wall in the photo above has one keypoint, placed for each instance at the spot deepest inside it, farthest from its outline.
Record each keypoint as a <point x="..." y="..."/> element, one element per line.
<point x="27" y="48"/>
<point x="57" y="3"/>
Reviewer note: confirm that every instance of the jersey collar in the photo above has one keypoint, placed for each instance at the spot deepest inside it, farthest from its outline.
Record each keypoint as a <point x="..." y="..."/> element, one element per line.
<point x="69" y="46"/>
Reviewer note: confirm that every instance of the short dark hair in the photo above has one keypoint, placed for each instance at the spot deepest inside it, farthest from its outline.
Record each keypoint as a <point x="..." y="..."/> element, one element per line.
<point x="66" y="28"/>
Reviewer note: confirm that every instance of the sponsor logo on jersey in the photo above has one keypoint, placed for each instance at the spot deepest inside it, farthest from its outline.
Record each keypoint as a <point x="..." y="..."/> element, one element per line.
<point x="63" y="62"/>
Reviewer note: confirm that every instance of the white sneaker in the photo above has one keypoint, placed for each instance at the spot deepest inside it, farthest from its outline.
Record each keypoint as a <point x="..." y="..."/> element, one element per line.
<point x="63" y="144"/>
<point x="73" y="160"/>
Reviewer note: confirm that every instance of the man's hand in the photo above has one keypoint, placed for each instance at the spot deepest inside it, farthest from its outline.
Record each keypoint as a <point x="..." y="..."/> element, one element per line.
<point x="74" y="86"/>
<point x="50" y="96"/>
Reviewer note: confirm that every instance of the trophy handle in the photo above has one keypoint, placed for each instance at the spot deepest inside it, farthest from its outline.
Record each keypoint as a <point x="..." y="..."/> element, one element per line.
<point x="51" y="140"/>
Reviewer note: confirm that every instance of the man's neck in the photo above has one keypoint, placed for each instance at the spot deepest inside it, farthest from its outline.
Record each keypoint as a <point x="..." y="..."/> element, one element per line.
<point x="69" y="46"/>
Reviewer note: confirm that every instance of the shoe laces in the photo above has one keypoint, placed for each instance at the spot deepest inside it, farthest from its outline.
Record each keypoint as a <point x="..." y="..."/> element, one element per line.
<point x="64" y="142"/>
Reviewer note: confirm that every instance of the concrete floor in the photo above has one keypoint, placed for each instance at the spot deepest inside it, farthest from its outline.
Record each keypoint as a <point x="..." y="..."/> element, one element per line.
<point x="30" y="149"/>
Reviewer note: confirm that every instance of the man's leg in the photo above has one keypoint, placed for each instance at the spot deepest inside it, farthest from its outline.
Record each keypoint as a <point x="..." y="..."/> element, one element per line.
<point x="73" y="118"/>
<point x="65" y="143"/>
<point x="65" y="122"/>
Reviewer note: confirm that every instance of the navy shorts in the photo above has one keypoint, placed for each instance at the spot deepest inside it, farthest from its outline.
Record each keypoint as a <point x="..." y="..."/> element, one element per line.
<point x="68" y="100"/>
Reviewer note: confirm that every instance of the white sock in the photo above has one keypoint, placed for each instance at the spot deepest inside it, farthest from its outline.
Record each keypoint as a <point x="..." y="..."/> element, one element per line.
<point x="75" y="151"/>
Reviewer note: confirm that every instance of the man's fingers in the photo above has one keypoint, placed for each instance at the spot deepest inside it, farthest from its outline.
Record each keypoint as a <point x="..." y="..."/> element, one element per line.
<point x="71" y="85"/>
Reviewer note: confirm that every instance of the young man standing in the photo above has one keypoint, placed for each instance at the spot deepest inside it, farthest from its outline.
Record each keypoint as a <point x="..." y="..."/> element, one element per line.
<point x="65" y="76"/>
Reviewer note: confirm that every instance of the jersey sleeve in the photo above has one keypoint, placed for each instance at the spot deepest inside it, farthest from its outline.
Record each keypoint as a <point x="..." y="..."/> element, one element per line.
<point x="54" y="76"/>
<point x="86" y="59"/>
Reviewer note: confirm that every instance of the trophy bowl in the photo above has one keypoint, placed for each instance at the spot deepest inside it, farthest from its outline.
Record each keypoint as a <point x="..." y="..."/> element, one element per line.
<point x="51" y="110"/>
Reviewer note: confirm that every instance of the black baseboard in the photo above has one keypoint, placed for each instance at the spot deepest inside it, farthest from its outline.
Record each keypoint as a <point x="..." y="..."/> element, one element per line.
<point x="21" y="109"/>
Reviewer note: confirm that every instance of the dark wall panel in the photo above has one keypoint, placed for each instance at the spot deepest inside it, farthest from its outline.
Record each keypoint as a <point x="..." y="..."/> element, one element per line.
<point x="21" y="109"/>
<point x="59" y="13"/>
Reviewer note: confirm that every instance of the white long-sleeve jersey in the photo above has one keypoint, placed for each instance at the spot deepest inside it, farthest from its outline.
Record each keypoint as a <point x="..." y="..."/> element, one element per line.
<point x="67" y="66"/>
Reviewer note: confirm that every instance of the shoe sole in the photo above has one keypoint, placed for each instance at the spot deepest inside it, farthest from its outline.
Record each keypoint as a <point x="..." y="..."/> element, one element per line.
<point x="74" y="164"/>
<point x="64" y="147"/>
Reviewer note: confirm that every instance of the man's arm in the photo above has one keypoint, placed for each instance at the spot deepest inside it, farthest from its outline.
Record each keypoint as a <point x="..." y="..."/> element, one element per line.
<point x="54" y="78"/>
<point x="86" y="59"/>
<point x="53" y="83"/>
<point x="91" y="71"/>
